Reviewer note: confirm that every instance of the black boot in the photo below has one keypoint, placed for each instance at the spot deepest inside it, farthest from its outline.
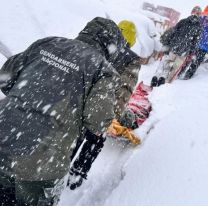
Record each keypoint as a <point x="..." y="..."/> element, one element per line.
<point x="161" y="81"/>
<point x="189" y="73"/>
<point x="154" y="81"/>
<point x="75" y="179"/>
<point x="90" y="149"/>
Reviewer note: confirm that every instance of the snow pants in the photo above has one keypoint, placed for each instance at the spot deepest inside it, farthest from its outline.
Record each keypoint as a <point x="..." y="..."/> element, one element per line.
<point x="24" y="193"/>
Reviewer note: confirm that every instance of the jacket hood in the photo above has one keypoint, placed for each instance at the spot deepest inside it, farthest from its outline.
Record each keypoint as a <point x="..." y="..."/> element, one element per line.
<point x="194" y="19"/>
<point x="104" y="35"/>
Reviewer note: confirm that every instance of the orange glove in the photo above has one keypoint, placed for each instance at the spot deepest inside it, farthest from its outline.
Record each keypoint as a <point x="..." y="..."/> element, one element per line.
<point x="115" y="129"/>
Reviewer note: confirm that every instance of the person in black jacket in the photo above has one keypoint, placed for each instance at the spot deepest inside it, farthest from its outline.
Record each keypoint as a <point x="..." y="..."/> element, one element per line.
<point x="178" y="42"/>
<point x="202" y="48"/>
<point x="56" y="91"/>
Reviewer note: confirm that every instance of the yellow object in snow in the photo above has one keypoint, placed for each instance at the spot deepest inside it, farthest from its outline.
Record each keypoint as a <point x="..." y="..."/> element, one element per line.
<point x="115" y="130"/>
<point x="128" y="30"/>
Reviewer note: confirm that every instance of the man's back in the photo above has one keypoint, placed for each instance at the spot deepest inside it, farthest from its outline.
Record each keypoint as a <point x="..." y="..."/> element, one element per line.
<point x="185" y="35"/>
<point x="46" y="95"/>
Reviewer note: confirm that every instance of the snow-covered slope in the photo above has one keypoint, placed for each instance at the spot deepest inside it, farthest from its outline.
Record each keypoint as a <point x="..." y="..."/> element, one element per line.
<point x="171" y="166"/>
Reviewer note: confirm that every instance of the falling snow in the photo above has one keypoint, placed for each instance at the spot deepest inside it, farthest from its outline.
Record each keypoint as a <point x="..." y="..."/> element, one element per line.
<point x="22" y="84"/>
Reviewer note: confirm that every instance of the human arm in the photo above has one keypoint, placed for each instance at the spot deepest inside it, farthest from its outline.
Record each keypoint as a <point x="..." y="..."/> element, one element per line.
<point x="98" y="113"/>
<point x="129" y="78"/>
<point x="12" y="68"/>
<point x="100" y="101"/>
<point x="10" y="72"/>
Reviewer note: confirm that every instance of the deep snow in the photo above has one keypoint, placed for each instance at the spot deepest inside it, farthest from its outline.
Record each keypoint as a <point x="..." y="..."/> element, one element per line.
<point x="171" y="166"/>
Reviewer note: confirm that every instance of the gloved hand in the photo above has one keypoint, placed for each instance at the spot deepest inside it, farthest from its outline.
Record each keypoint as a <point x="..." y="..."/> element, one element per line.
<point x="128" y="118"/>
<point x="116" y="129"/>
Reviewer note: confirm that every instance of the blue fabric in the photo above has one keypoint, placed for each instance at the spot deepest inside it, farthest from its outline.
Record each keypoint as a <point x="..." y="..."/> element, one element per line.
<point x="203" y="43"/>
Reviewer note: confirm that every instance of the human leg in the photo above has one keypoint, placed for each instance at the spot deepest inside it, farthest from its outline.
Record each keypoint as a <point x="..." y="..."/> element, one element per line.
<point x="200" y="54"/>
<point x="164" y="70"/>
<point x="87" y="153"/>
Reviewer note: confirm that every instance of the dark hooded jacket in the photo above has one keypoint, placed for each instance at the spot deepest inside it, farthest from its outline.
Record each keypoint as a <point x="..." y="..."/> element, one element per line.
<point x="54" y="89"/>
<point x="184" y="37"/>
<point x="126" y="62"/>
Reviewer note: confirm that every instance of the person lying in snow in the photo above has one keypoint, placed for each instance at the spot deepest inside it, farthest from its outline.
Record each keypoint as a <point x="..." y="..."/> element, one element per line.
<point x="135" y="113"/>
<point x="56" y="91"/>
<point x="178" y="42"/>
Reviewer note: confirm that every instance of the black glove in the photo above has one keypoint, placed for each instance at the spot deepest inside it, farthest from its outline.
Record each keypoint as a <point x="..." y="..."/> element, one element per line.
<point x="90" y="149"/>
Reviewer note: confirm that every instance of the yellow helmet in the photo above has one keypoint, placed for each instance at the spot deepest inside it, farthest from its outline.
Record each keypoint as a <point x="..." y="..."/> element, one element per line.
<point x="128" y="30"/>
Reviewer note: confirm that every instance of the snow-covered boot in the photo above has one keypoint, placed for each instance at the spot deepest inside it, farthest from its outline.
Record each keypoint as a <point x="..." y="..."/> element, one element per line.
<point x="86" y="154"/>
<point x="75" y="180"/>
<point x="189" y="73"/>
<point x="161" y="81"/>
<point x="154" y="81"/>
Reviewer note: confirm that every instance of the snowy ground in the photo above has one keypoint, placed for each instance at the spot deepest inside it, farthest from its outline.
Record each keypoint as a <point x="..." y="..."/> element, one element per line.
<point x="170" y="168"/>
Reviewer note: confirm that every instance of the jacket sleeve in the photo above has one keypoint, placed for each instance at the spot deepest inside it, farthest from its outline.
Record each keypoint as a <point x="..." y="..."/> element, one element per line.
<point x="12" y="68"/>
<point x="10" y="72"/>
<point x="165" y="38"/>
<point x="196" y="32"/>
<point x="129" y="78"/>
<point x="180" y="24"/>
<point x="99" y="105"/>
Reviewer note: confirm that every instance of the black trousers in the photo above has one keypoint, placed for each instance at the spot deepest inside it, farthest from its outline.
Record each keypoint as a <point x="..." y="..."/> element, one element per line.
<point x="24" y="193"/>
<point x="200" y="54"/>
<point x="89" y="152"/>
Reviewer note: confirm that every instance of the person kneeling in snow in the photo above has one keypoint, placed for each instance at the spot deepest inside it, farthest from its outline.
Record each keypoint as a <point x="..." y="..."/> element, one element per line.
<point x="178" y="42"/>
<point x="56" y="91"/>
<point x="128" y="72"/>
<point x="202" y="48"/>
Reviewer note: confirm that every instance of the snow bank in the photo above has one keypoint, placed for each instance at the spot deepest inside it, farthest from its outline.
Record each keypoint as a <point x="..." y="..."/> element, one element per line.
<point x="171" y="167"/>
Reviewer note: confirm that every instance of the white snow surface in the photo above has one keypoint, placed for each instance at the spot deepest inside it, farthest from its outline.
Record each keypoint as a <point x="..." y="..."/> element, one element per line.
<point x="170" y="168"/>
